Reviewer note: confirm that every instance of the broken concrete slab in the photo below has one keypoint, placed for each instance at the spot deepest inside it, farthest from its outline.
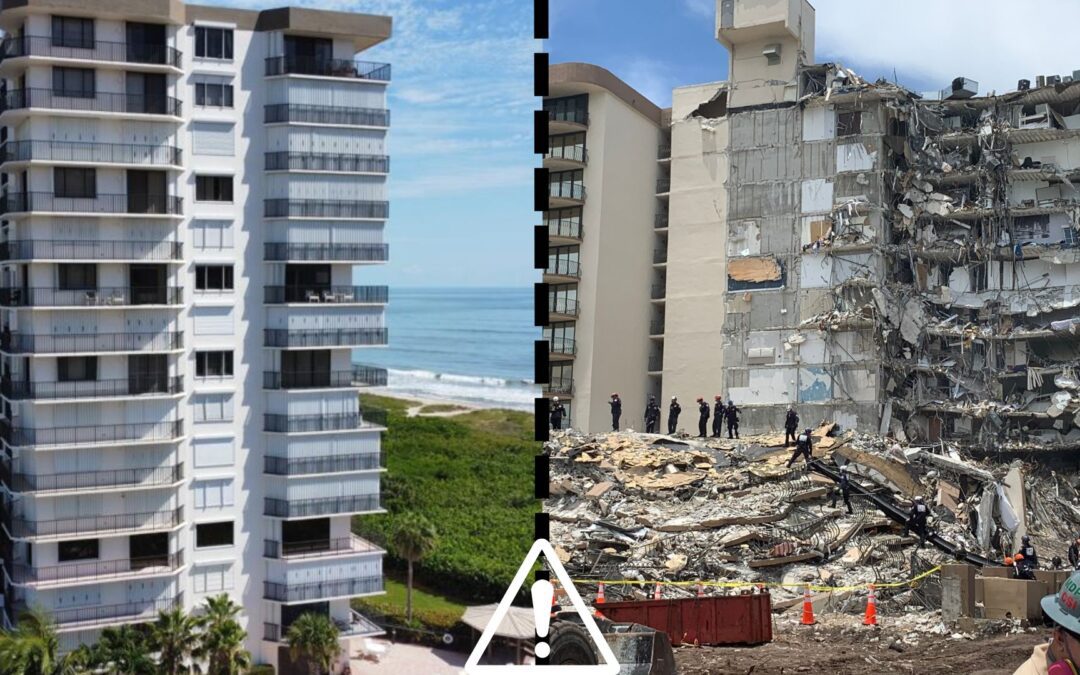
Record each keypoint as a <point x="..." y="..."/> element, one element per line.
<point x="599" y="490"/>
<point x="894" y="475"/>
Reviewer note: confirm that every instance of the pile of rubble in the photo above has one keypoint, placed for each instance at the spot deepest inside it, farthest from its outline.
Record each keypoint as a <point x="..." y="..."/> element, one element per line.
<point x="634" y="507"/>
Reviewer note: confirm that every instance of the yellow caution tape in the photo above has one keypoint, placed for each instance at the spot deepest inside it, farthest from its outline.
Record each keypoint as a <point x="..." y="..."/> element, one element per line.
<point x="755" y="584"/>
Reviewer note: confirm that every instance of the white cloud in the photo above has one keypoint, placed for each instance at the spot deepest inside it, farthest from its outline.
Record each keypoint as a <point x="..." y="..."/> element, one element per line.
<point x="994" y="42"/>
<point x="703" y="8"/>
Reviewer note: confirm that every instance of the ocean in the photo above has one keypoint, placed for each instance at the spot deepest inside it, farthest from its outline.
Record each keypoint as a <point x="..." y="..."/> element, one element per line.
<point x="465" y="344"/>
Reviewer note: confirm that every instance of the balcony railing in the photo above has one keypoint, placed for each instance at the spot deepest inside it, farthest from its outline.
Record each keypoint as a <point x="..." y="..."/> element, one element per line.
<point x="325" y="208"/>
<point x="318" y="548"/>
<point x="342" y="337"/>
<point x="656" y="364"/>
<point x="326" y="114"/>
<point x="660" y="221"/>
<point x="90" y="153"/>
<point x="92" y="434"/>
<point x="54" y="249"/>
<point x="327" y="252"/>
<point x="118" y="296"/>
<point x="279" y="423"/>
<point x="564" y="190"/>
<point x="303" y="508"/>
<point x="562" y="345"/>
<point x="319" y="590"/>
<point x="663" y="152"/>
<point x="579" y="116"/>
<point x="564" y="306"/>
<point x="567" y="229"/>
<point x="97" y="480"/>
<point x="15" y="46"/>
<point x="96" y="569"/>
<point x="62" y="343"/>
<point x="663" y="185"/>
<point x="312" y="65"/>
<point x="91" y="101"/>
<point x="146" y="609"/>
<point x="572" y="153"/>
<point x="327" y="161"/>
<point x="98" y="525"/>
<point x="320" y="379"/>
<point x="658" y="292"/>
<point x="378" y="295"/>
<point x="656" y="328"/>
<point x="564" y="267"/>
<point x="298" y="466"/>
<point x="659" y="256"/>
<point x="560" y="386"/>
<point x="143" y="204"/>
<point x="136" y="385"/>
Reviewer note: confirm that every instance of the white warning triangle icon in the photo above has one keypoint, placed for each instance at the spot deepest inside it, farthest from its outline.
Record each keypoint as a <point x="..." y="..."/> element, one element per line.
<point x="610" y="665"/>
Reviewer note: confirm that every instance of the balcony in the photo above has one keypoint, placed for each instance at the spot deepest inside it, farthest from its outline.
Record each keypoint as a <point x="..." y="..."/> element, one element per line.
<point x="93" y="102"/>
<point x="663" y="186"/>
<point x="318" y="548"/>
<point x="559" y="157"/>
<point x="105" y="614"/>
<point x="327" y="162"/>
<point x="563" y="307"/>
<point x="118" y="296"/>
<point x="561" y="347"/>
<point x="132" y="204"/>
<point x="98" y="526"/>
<point x="322" y="590"/>
<point x="284" y="252"/>
<point x="356" y="626"/>
<point x="77" y="481"/>
<point x="656" y="328"/>
<point x="289" y="424"/>
<point x="342" y="337"/>
<point x="325" y="208"/>
<point x="90" y="343"/>
<point x="341" y="295"/>
<point x="302" y="113"/>
<point x="69" y="152"/>
<point x="17" y="46"/>
<point x="96" y="570"/>
<point x="328" y="506"/>
<point x="359" y="376"/>
<point x="656" y="364"/>
<point x="660" y="221"/>
<point x="106" y="250"/>
<point x="136" y="385"/>
<point x="312" y="65"/>
<point x="562" y="386"/>
<point x="565" y="229"/>
<point x="301" y="466"/>
<point x="663" y="152"/>
<point x="143" y="432"/>
<point x="658" y="292"/>
<point x="563" y="267"/>
<point x="659" y="256"/>
<point x="560" y="121"/>
<point x="565" y="194"/>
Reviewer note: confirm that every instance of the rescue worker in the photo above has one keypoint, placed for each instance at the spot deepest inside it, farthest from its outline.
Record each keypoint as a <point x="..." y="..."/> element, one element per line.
<point x="917" y="520"/>
<point x="558" y="410"/>
<point x="791" y="425"/>
<point x="732" y="419"/>
<point x="616" y="410"/>
<point x="673" y="415"/>
<point x="703" y="416"/>
<point x="804" y="445"/>
<point x="652" y="416"/>
<point x="1029" y="551"/>
<point x="718" y="416"/>
<point x="1024" y="568"/>
<point x="844" y="489"/>
<point x="1061" y="654"/>
<point x="1074" y="553"/>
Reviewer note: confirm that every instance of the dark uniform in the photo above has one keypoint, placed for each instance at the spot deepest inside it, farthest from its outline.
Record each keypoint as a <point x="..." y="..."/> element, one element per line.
<point x="673" y="416"/>
<point x="616" y="412"/>
<point x="917" y="521"/>
<point x="732" y="420"/>
<point x="703" y="417"/>
<point x="718" y="419"/>
<point x="791" y="426"/>
<point x="652" y="416"/>
<point x="844" y="490"/>
<point x="804" y="445"/>
<point x="1029" y="552"/>
<point x="1074" y="554"/>
<point x="558" y="411"/>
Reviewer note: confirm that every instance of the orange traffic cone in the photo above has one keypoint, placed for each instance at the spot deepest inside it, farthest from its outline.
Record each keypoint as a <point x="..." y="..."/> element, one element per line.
<point x="807" y="608"/>
<point x="871" y="608"/>
<point x="600" y="593"/>
<point x="700" y="591"/>
<point x="656" y="592"/>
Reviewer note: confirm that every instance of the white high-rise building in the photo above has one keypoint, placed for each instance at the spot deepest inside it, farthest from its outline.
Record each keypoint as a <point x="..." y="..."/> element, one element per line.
<point x="187" y="191"/>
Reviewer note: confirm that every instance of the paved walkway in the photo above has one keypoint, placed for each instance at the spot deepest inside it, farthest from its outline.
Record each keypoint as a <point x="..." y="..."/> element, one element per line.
<point x="406" y="658"/>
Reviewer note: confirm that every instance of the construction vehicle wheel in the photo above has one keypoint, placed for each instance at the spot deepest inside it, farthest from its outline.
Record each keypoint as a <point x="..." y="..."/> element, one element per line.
<point x="571" y="645"/>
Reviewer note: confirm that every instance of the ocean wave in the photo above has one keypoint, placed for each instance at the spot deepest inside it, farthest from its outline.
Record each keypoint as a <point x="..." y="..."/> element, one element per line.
<point x="495" y="392"/>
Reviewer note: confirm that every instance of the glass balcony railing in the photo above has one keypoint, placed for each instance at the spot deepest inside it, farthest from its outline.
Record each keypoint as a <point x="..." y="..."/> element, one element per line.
<point x="136" y="385"/>
<point x="15" y="46"/>
<point x="564" y="306"/>
<point x="279" y="423"/>
<point x="61" y="343"/>
<point x="325" y="208"/>
<point x="562" y="346"/>
<point x="48" y="202"/>
<point x="319" y="590"/>
<point x="93" y="434"/>
<point x="276" y="113"/>
<point x="318" y="548"/>
<point x="326" y="252"/>
<point x="315" y="337"/>
<point x="90" y="153"/>
<point x="378" y="295"/>
<point x="119" y="296"/>
<point x="299" y="466"/>
<point x="359" y="376"/>
<point x="303" y="508"/>
<point x="564" y="267"/>
<point x="327" y="161"/>
<point x="91" y="101"/>
<point x="326" y="67"/>
<point x="55" y="249"/>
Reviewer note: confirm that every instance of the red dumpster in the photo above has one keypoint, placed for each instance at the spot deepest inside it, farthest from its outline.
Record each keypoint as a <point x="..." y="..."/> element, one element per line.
<point x="723" y="620"/>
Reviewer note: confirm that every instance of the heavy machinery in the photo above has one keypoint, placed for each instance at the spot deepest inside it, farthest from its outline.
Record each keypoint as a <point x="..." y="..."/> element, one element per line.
<point x="639" y="649"/>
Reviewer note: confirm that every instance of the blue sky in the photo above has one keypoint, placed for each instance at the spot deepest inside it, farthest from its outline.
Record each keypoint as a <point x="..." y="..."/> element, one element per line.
<point x="460" y="142"/>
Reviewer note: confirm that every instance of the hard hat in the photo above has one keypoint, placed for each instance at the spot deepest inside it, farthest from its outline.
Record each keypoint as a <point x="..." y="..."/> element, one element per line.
<point x="1008" y="560"/>
<point x="556" y="399"/>
<point x="844" y="467"/>
<point x="699" y="399"/>
<point x="807" y="430"/>
<point x="614" y="394"/>
<point x="919" y="498"/>
<point x="652" y="398"/>
<point x="1063" y="607"/>
<point x="729" y="402"/>
<point x="1018" y="557"/>
<point x="674" y="398"/>
<point x="1025" y="538"/>
<point x="718" y="397"/>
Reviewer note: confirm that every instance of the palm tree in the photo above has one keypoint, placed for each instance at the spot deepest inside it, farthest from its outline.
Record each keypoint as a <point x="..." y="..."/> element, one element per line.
<point x="314" y="637"/>
<point x="123" y="650"/>
<point x="413" y="539"/>
<point x="31" y="648"/>
<point x="173" y="637"/>
<point x="221" y="643"/>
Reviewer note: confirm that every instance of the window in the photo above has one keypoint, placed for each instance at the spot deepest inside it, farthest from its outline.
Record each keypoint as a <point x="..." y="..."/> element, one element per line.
<point x="82" y="549"/>
<point x="213" y="321"/>
<point x="213" y="277"/>
<point x="72" y="31"/>
<point x="213" y="95"/>
<point x="213" y="188"/>
<point x="76" y="276"/>
<point x="211" y="235"/>
<point x="75" y="183"/>
<point x="214" y="364"/>
<point x="213" y="407"/>
<point x="213" y="43"/>
<point x="214" y="534"/>
<point x="213" y="138"/>
<point x="76" y="368"/>
<point x="848" y="123"/>
<point x="213" y="494"/>
<point x="73" y="82"/>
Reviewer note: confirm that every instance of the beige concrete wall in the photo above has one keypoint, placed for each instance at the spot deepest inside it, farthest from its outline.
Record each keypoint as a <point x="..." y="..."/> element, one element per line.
<point x="616" y="260"/>
<point x="696" y="281"/>
<point x="758" y="24"/>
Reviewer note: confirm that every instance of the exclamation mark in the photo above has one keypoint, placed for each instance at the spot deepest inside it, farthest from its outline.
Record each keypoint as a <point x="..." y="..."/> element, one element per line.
<point x="542" y="594"/>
